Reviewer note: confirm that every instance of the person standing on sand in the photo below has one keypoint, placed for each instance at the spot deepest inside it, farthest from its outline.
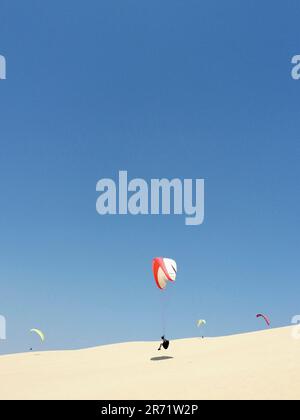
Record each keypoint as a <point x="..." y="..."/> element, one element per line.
<point x="165" y="344"/>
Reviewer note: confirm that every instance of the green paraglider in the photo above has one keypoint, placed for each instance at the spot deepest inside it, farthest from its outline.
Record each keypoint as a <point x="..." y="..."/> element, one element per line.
<point x="39" y="333"/>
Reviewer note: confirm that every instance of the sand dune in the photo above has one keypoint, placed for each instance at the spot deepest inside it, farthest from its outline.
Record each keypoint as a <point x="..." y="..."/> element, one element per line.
<point x="261" y="365"/>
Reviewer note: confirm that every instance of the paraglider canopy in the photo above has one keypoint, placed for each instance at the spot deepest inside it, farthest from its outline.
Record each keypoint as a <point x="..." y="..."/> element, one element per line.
<point x="164" y="270"/>
<point x="39" y="333"/>
<point x="265" y="317"/>
<point x="201" y="322"/>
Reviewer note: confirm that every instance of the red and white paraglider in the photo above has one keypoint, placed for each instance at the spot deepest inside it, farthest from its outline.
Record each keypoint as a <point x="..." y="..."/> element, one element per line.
<point x="265" y="317"/>
<point x="164" y="270"/>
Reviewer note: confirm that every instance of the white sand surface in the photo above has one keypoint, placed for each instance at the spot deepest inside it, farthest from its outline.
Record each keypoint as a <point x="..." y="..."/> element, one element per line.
<point x="260" y="365"/>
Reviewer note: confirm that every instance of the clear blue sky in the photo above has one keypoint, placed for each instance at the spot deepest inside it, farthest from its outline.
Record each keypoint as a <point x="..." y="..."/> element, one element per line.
<point x="168" y="88"/>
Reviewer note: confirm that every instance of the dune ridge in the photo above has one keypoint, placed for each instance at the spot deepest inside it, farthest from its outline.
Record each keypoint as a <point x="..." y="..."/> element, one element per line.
<point x="259" y="365"/>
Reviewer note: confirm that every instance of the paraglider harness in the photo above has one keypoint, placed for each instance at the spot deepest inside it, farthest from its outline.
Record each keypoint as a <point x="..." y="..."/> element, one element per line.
<point x="165" y="344"/>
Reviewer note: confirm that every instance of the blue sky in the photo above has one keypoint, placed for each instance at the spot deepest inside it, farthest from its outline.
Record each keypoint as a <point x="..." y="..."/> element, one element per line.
<point x="175" y="88"/>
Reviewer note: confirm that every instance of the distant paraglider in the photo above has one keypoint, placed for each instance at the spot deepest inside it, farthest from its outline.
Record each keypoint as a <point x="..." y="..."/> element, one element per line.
<point x="201" y="323"/>
<point x="265" y="317"/>
<point x="39" y="333"/>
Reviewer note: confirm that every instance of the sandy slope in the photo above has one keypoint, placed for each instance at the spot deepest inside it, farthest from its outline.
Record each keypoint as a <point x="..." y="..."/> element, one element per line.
<point x="263" y="365"/>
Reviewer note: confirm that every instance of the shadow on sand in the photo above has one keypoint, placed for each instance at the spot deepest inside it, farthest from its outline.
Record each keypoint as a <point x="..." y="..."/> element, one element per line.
<point x="159" y="358"/>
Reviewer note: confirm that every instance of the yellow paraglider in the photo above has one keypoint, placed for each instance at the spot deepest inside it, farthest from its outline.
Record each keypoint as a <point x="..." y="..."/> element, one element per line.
<point x="39" y="333"/>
